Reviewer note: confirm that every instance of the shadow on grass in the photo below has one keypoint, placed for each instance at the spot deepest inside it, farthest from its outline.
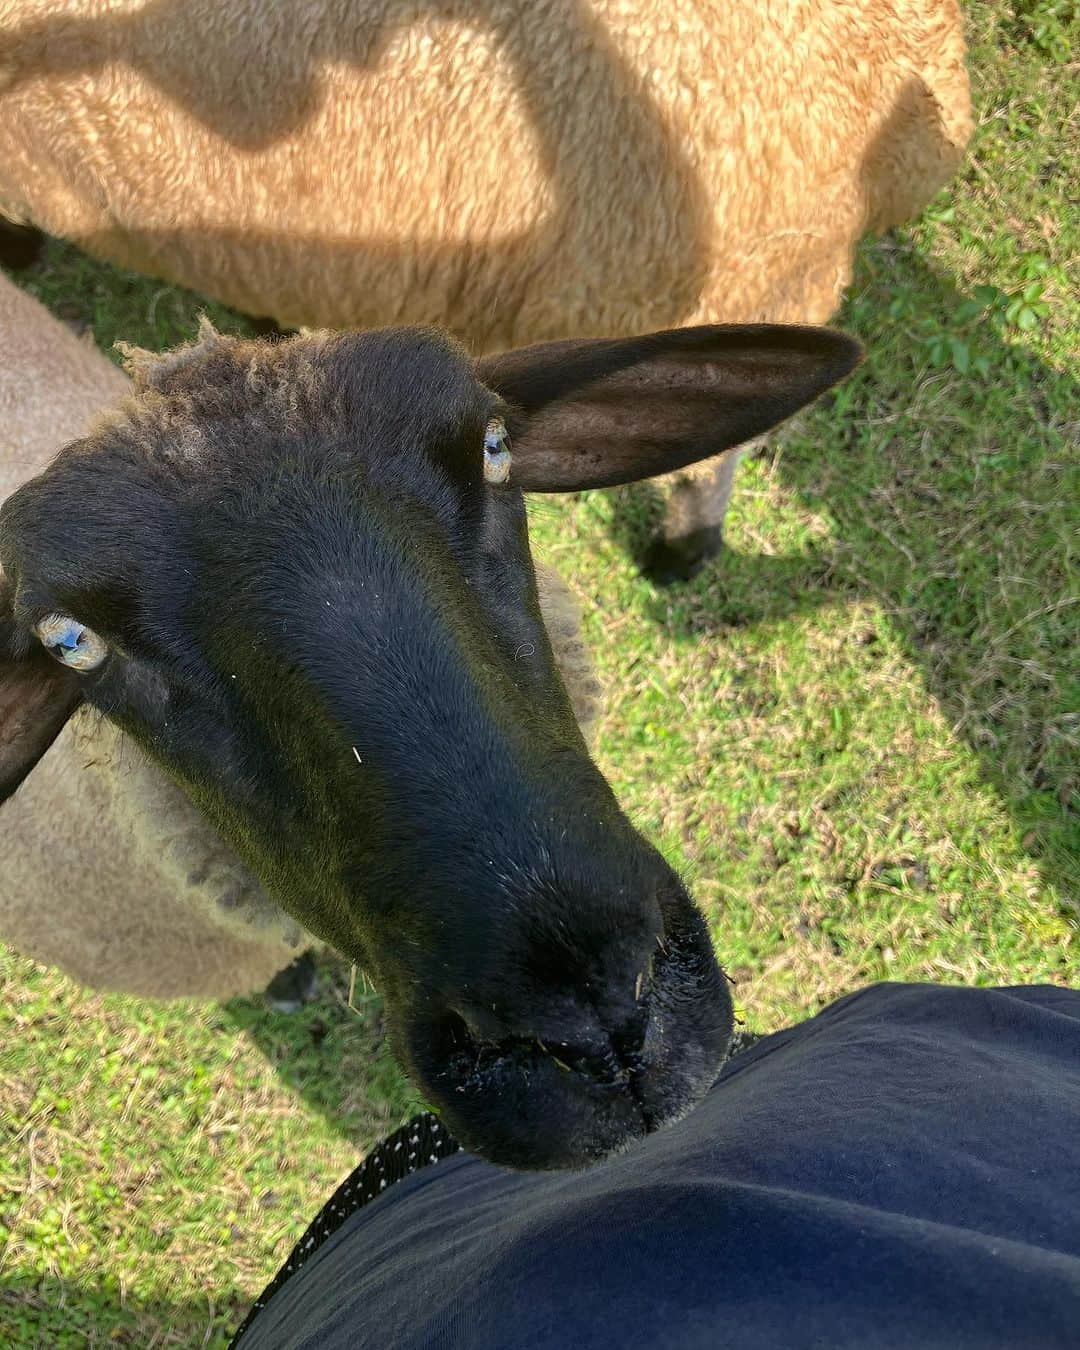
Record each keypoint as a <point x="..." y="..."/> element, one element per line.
<point x="335" y="1057"/>
<point x="52" y="1314"/>
<point x="950" y="496"/>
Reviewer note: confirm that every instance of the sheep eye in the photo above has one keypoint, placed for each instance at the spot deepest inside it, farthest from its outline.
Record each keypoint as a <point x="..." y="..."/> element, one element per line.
<point x="73" y="644"/>
<point x="496" y="452"/>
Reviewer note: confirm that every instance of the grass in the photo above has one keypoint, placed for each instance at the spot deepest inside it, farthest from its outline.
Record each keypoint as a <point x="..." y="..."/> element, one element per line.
<point x="857" y="734"/>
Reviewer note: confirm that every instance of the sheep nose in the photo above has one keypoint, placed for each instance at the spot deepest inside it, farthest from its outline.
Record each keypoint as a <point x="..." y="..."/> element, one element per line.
<point x="587" y="1031"/>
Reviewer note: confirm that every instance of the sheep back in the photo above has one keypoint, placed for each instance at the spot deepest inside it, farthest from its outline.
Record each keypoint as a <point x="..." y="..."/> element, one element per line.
<point x="514" y="170"/>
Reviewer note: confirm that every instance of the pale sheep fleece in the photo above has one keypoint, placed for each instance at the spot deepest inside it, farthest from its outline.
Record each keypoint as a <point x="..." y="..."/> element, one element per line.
<point x="106" y="869"/>
<point x="510" y="169"/>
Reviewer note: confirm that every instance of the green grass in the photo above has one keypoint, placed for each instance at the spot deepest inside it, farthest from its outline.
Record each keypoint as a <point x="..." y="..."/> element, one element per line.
<point x="160" y="1159"/>
<point x="857" y="734"/>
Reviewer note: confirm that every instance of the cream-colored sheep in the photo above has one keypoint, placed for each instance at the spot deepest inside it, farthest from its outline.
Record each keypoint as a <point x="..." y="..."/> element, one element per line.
<point x="510" y="169"/>
<point x="106" y="870"/>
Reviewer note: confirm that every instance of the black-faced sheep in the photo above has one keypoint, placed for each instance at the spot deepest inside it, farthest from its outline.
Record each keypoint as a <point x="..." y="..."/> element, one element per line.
<point x="162" y="906"/>
<point x="298" y="577"/>
<point x="513" y="170"/>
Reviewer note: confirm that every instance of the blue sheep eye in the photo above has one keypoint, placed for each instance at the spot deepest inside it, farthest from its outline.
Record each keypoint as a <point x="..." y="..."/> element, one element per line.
<point x="496" y="452"/>
<point x="72" y="643"/>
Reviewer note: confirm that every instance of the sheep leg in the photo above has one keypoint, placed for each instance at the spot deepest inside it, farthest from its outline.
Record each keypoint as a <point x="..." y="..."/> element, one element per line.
<point x="294" y="986"/>
<point x="692" y="532"/>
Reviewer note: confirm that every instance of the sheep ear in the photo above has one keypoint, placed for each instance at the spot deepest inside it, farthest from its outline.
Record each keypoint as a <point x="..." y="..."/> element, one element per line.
<point x="595" y="413"/>
<point x="37" y="696"/>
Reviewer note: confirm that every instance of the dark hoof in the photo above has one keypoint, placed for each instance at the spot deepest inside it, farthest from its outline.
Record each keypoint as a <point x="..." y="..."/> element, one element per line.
<point x="20" y="245"/>
<point x="670" y="560"/>
<point x="294" y="986"/>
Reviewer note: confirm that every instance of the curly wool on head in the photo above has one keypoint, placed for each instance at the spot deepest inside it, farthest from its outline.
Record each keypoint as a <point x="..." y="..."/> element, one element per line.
<point x="174" y="394"/>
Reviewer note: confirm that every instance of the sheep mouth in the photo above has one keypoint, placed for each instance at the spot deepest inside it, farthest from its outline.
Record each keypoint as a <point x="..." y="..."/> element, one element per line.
<point x="529" y="1103"/>
<point x="479" y="1066"/>
<point x="543" y="1104"/>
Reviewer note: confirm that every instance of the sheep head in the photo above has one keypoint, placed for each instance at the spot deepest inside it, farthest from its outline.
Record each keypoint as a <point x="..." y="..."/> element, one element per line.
<point x="298" y="575"/>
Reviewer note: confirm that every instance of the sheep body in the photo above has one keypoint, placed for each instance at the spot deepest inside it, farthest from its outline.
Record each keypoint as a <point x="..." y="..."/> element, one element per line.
<point x="108" y="872"/>
<point x="512" y="170"/>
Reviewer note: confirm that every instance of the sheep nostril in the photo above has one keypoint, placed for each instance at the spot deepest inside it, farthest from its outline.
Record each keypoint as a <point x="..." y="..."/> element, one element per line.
<point x="628" y="1036"/>
<point x="482" y="1025"/>
<point x="453" y="1035"/>
<point x="646" y="975"/>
